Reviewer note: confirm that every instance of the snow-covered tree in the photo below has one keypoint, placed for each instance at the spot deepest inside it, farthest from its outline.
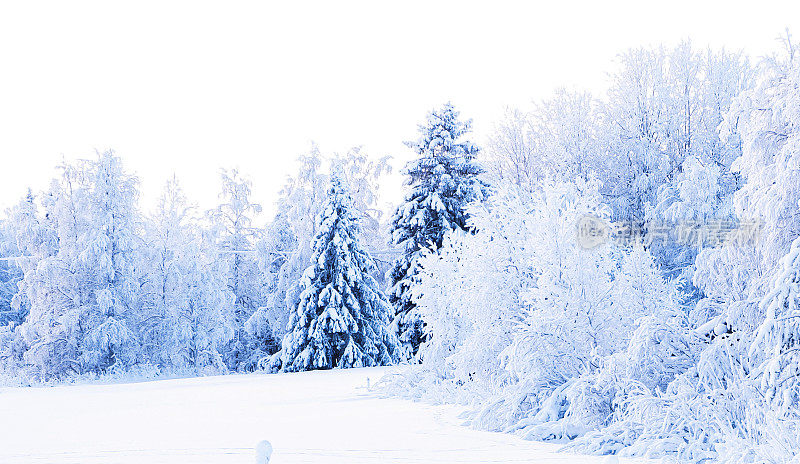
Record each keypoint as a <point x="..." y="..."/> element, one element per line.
<point x="653" y="141"/>
<point x="735" y="278"/>
<point x="51" y="331"/>
<point x="512" y="152"/>
<point x="342" y="318"/>
<point x="444" y="179"/>
<point x="12" y="311"/>
<point x="236" y="237"/>
<point x="663" y="106"/>
<point x="557" y="139"/>
<point x="35" y="239"/>
<point x="768" y="117"/>
<point x="187" y="313"/>
<point x="703" y="87"/>
<point x="82" y="280"/>
<point x="287" y="246"/>
<point x="110" y="248"/>
<point x="10" y="275"/>
<point x="723" y="406"/>
<point x="777" y="341"/>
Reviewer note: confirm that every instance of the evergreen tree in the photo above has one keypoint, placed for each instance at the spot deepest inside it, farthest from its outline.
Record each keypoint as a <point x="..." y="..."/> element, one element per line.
<point x="287" y="247"/>
<point x="444" y="180"/>
<point x="342" y="317"/>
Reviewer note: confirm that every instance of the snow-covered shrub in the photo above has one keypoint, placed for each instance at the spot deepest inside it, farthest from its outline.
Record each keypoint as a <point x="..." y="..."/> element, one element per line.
<point x="661" y="347"/>
<point x="581" y="310"/>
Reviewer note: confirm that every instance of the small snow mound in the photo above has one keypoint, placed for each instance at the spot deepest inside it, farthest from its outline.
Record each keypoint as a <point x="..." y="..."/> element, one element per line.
<point x="611" y="459"/>
<point x="263" y="452"/>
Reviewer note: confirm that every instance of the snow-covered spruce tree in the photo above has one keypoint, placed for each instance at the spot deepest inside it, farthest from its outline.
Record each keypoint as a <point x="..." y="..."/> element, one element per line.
<point x="342" y="318"/>
<point x="286" y="248"/>
<point x="444" y="180"/>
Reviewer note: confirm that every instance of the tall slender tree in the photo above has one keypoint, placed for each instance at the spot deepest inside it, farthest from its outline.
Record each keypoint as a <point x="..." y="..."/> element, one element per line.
<point x="236" y="236"/>
<point x="110" y="250"/>
<point x="444" y="179"/>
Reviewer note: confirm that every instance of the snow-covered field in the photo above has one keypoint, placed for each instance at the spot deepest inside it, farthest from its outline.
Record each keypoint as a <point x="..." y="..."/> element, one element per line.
<point x="313" y="417"/>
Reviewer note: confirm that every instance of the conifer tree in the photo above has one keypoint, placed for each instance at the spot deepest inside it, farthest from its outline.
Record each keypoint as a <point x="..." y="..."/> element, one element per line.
<point x="444" y="180"/>
<point x="342" y="318"/>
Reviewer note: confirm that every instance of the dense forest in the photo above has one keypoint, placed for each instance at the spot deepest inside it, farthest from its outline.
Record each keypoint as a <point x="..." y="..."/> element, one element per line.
<point x="620" y="273"/>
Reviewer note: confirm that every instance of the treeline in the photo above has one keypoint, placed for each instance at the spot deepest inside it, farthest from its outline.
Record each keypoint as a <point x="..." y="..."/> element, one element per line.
<point x="92" y="285"/>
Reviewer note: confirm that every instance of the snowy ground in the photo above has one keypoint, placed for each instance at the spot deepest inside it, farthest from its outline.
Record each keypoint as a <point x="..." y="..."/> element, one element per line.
<point x="314" y="417"/>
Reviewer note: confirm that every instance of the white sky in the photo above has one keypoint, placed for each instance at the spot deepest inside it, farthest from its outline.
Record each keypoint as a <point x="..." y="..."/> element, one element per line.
<point x="190" y="87"/>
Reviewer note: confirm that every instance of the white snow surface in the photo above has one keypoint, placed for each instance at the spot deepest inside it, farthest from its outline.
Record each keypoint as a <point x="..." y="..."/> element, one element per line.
<point x="311" y="417"/>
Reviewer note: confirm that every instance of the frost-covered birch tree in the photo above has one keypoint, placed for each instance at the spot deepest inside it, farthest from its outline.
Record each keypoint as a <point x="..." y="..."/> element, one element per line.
<point x="81" y="277"/>
<point x="187" y="309"/>
<point x="235" y="237"/>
